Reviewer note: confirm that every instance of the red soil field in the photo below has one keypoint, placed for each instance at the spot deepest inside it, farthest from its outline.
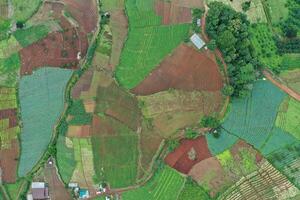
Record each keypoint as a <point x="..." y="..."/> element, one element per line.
<point x="172" y="13"/>
<point x="83" y="84"/>
<point x="79" y="131"/>
<point x="186" y="69"/>
<point x="9" y="162"/>
<point x="11" y="114"/>
<point x="58" y="49"/>
<point x="85" y="13"/>
<point x="102" y="127"/>
<point x="179" y="159"/>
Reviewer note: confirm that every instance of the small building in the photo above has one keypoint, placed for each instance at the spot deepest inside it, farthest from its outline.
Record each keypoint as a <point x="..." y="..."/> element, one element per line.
<point x="39" y="191"/>
<point x="83" y="194"/>
<point x="197" y="41"/>
<point x="29" y="197"/>
<point x="73" y="185"/>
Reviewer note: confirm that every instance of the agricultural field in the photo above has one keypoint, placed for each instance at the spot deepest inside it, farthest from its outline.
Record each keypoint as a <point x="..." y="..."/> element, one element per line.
<point x="290" y="61"/>
<point x="265" y="47"/>
<point x="9" y="69"/>
<point x="165" y="184"/>
<point x="193" y="191"/>
<point x="278" y="10"/>
<point x="175" y="109"/>
<point x="3" y="9"/>
<point x="146" y="39"/>
<point x="8" y="47"/>
<point x="23" y="10"/>
<point x="42" y="101"/>
<point x="255" y="13"/>
<point x="291" y="79"/>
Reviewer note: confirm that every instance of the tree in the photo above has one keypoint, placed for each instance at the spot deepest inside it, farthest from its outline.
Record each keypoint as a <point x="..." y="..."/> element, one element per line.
<point x="226" y="40"/>
<point x="172" y="145"/>
<point x="246" y="6"/>
<point x="227" y="90"/>
<point x="209" y="122"/>
<point x="191" y="134"/>
<point x="212" y="45"/>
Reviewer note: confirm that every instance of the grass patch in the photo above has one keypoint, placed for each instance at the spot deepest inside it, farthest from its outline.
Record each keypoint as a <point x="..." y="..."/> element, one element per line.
<point x="31" y="34"/>
<point x="278" y="10"/>
<point x="112" y="4"/>
<point x="288" y="117"/>
<point x="7" y="134"/>
<point x="192" y="191"/>
<point x="8" y="47"/>
<point x="115" y="153"/>
<point x="65" y="159"/>
<point x="24" y="9"/>
<point x="166" y="184"/>
<point x="7" y="98"/>
<point x="148" y="40"/>
<point x="9" y="70"/>
<point x="42" y="101"/>
<point x="79" y="116"/>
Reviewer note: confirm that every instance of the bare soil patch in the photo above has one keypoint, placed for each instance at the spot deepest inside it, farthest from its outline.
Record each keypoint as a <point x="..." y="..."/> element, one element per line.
<point x="83" y="84"/>
<point x="11" y="114"/>
<point x="210" y="174"/>
<point x="189" y="3"/>
<point x="9" y="162"/>
<point x="181" y="159"/>
<point x="58" y="49"/>
<point x="85" y="13"/>
<point x="57" y="190"/>
<point x="186" y="69"/>
<point x="79" y="131"/>
<point x="172" y="13"/>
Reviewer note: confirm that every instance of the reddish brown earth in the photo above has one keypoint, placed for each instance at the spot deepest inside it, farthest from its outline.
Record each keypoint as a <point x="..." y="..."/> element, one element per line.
<point x="101" y="127"/>
<point x="85" y="13"/>
<point x="11" y="114"/>
<point x="172" y="13"/>
<point x="180" y="160"/>
<point x="9" y="162"/>
<point x="186" y="69"/>
<point x="58" y="49"/>
<point x="79" y="131"/>
<point x="83" y="84"/>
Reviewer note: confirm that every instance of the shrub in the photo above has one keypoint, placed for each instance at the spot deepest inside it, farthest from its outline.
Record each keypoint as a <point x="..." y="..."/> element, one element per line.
<point x="209" y="122"/>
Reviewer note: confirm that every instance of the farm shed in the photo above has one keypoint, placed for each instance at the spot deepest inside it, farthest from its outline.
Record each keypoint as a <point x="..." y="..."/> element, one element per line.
<point x="39" y="191"/>
<point x="197" y="41"/>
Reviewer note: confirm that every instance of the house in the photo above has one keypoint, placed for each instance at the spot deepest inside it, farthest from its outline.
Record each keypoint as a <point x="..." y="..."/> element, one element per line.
<point x="73" y="185"/>
<point x="39" y="191"/>
<point x="197" y="41"/>
<point x="199" y="22"/>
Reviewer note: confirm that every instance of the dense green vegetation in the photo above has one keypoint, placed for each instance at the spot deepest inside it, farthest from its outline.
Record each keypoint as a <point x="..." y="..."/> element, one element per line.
<point x="79" y="116"/>
<point x="31" y="34"/>
<point x="41" y="100"/>
<point x="290" y="61"/>
<point x="165" y="185"/>
<point x="231" y="31"/>
<point x="148" y="40"/>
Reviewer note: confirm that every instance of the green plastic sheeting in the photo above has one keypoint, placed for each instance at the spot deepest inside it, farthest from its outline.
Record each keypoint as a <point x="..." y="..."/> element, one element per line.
<point x="42" y="101"/>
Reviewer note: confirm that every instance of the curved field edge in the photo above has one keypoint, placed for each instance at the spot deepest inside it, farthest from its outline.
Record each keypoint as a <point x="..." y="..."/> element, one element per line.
<point x="42" y="101"/>
<point x="147" y="44"/>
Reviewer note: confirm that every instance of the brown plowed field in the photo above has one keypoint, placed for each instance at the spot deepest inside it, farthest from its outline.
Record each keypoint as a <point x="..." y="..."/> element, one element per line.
<point x="79" y="131"/>
<point x="84" y="12"/>
<point x="9" y="162"/>
<point x="180" y="160"/>
<point x="11" y="114"/>
<point x="58" y="49"/>
<point x="172" y="13"/>
<point x="189" y="3"/>
<point x="83" y="84"/>
<point x="186" y="69"/>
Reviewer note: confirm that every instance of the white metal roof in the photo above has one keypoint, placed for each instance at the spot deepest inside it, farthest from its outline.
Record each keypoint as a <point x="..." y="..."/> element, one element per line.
<point x="38" y="185"/>
<point x="197" y="41"/>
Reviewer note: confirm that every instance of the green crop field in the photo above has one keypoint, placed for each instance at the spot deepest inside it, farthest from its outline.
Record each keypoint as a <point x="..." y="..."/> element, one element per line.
<point x="288" y="117"/>
<point x="278" y="10"/>
<point x="31" y="34"/>
<point x="113" y="4"/>
<point x="79" y="116"/>
<point x="25" y="9"/>
<point x="290" y="61"/>
<point x="7" y="134"/>
<point x="115" y="153"/>
<point x="65" y="159"/>
<point x="165" y="185"/>
<point x="148" y="40"/>
<point x="264" y="45"/>
<point x="192" y="191"/>
<point x="42" y="101"/>
<point x="253" y="118"/>
<point x="9" y="70"/>
<point x="220" y="144"/>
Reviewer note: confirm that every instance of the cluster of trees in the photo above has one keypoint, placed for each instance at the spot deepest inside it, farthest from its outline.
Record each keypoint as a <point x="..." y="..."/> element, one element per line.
<point x="230" y="29"/>
<point x="288" y="45"/>
<point x="197" y="14"/>
<point x="291" y="25"/>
